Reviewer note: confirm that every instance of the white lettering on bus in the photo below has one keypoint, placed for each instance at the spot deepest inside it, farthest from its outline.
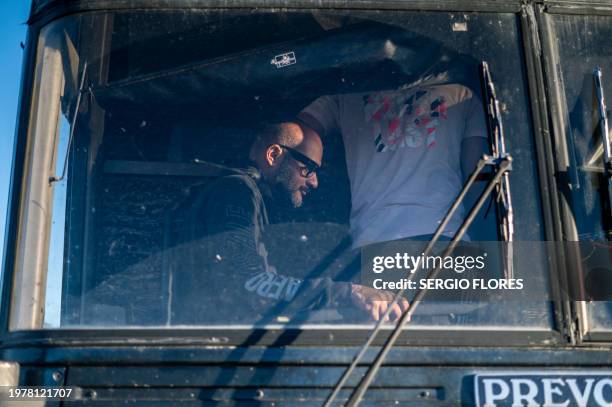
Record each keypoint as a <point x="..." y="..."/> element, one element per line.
<point x="550" y="389"/>
<point x="598" y="392"/>
<point x="581" y="397"/>
<point x="517" y="395"/>
<point x="490" y="396"/>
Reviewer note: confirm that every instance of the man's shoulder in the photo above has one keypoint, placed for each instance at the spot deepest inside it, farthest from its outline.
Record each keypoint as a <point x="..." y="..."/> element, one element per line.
<point x="454" y="91"/>
<point x="239" y="183"/>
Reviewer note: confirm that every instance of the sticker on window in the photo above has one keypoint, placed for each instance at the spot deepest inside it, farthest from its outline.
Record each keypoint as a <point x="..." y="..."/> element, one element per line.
<point x="283" y="60"/>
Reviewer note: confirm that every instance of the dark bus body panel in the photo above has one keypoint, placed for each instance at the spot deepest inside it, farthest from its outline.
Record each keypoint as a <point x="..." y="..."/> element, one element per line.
<point x="289" y="376"/>
<point x="147" y="365"/>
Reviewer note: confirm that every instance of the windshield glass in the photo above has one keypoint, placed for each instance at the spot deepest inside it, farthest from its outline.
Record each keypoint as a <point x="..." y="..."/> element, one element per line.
<point x="587" y="184"/>
<point x="236" y="168"/>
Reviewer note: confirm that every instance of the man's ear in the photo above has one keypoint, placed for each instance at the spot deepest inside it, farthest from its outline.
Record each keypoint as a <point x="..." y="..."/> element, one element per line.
<point x="273" y="154"/>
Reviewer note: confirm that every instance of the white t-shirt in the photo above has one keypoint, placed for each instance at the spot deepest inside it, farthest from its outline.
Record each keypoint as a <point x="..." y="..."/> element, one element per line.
<point x="403" y="154"/>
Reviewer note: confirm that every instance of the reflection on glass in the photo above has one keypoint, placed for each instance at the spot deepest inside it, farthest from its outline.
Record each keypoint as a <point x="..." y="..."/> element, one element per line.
<point x="586" y="46"/>
<point x="58" y="225"/>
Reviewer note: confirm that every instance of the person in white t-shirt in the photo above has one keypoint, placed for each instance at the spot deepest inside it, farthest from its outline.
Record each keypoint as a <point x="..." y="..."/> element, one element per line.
<point x="408" y="152"/>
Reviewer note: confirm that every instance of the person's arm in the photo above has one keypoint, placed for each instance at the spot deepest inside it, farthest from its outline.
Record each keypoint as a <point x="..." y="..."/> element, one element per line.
<point x="472" y="149"/>
<point x="475" y="141"/>
<point x="322" y="115"/>
<point x="474" y="144"/>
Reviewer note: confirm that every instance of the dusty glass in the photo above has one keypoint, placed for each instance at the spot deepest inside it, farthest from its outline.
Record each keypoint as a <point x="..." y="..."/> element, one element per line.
<point x="165" y="220"/>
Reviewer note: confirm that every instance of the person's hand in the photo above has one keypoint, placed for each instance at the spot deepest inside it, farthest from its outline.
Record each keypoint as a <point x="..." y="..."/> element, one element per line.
<point x="375" y="302"/>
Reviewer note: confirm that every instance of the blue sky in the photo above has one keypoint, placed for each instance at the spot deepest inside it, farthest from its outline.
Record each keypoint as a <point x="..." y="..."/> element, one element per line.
<point x="13" y="15"/>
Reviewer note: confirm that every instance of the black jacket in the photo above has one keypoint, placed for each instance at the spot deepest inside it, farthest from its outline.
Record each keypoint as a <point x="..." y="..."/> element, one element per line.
<point x="220" y="268"/>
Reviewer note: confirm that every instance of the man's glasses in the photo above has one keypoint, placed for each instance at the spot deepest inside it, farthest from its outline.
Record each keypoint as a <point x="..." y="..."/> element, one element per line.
<point x="310" y="167"/>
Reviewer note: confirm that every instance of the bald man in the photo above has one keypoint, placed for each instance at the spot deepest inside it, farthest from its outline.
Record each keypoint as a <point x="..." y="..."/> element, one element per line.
<point x="238" y="284"/>
<point x="288" y="158"/>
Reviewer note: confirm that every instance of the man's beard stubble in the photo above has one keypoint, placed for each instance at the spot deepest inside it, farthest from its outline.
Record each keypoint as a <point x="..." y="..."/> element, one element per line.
<point x="286" y="185"/>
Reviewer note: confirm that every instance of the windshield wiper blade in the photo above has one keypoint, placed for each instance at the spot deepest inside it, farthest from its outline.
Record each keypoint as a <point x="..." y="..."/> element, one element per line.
<point x="605" y="135"/>
<point x="502" y="164"/>
<point x="603" y="120"/>
<point x="498" y="147"/>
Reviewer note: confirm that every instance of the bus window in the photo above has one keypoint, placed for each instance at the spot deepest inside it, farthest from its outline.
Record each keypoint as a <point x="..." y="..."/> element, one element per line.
<point x="586" y="186"/>
<point x="167" y="223"/>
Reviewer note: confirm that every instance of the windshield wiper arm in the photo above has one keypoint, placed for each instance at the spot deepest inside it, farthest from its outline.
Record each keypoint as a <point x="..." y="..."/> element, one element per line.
<point x="498" y="147"/>
<point x="501" y="163"/>
<point x="75" y="114"/>
<point x="604" y="130"/>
